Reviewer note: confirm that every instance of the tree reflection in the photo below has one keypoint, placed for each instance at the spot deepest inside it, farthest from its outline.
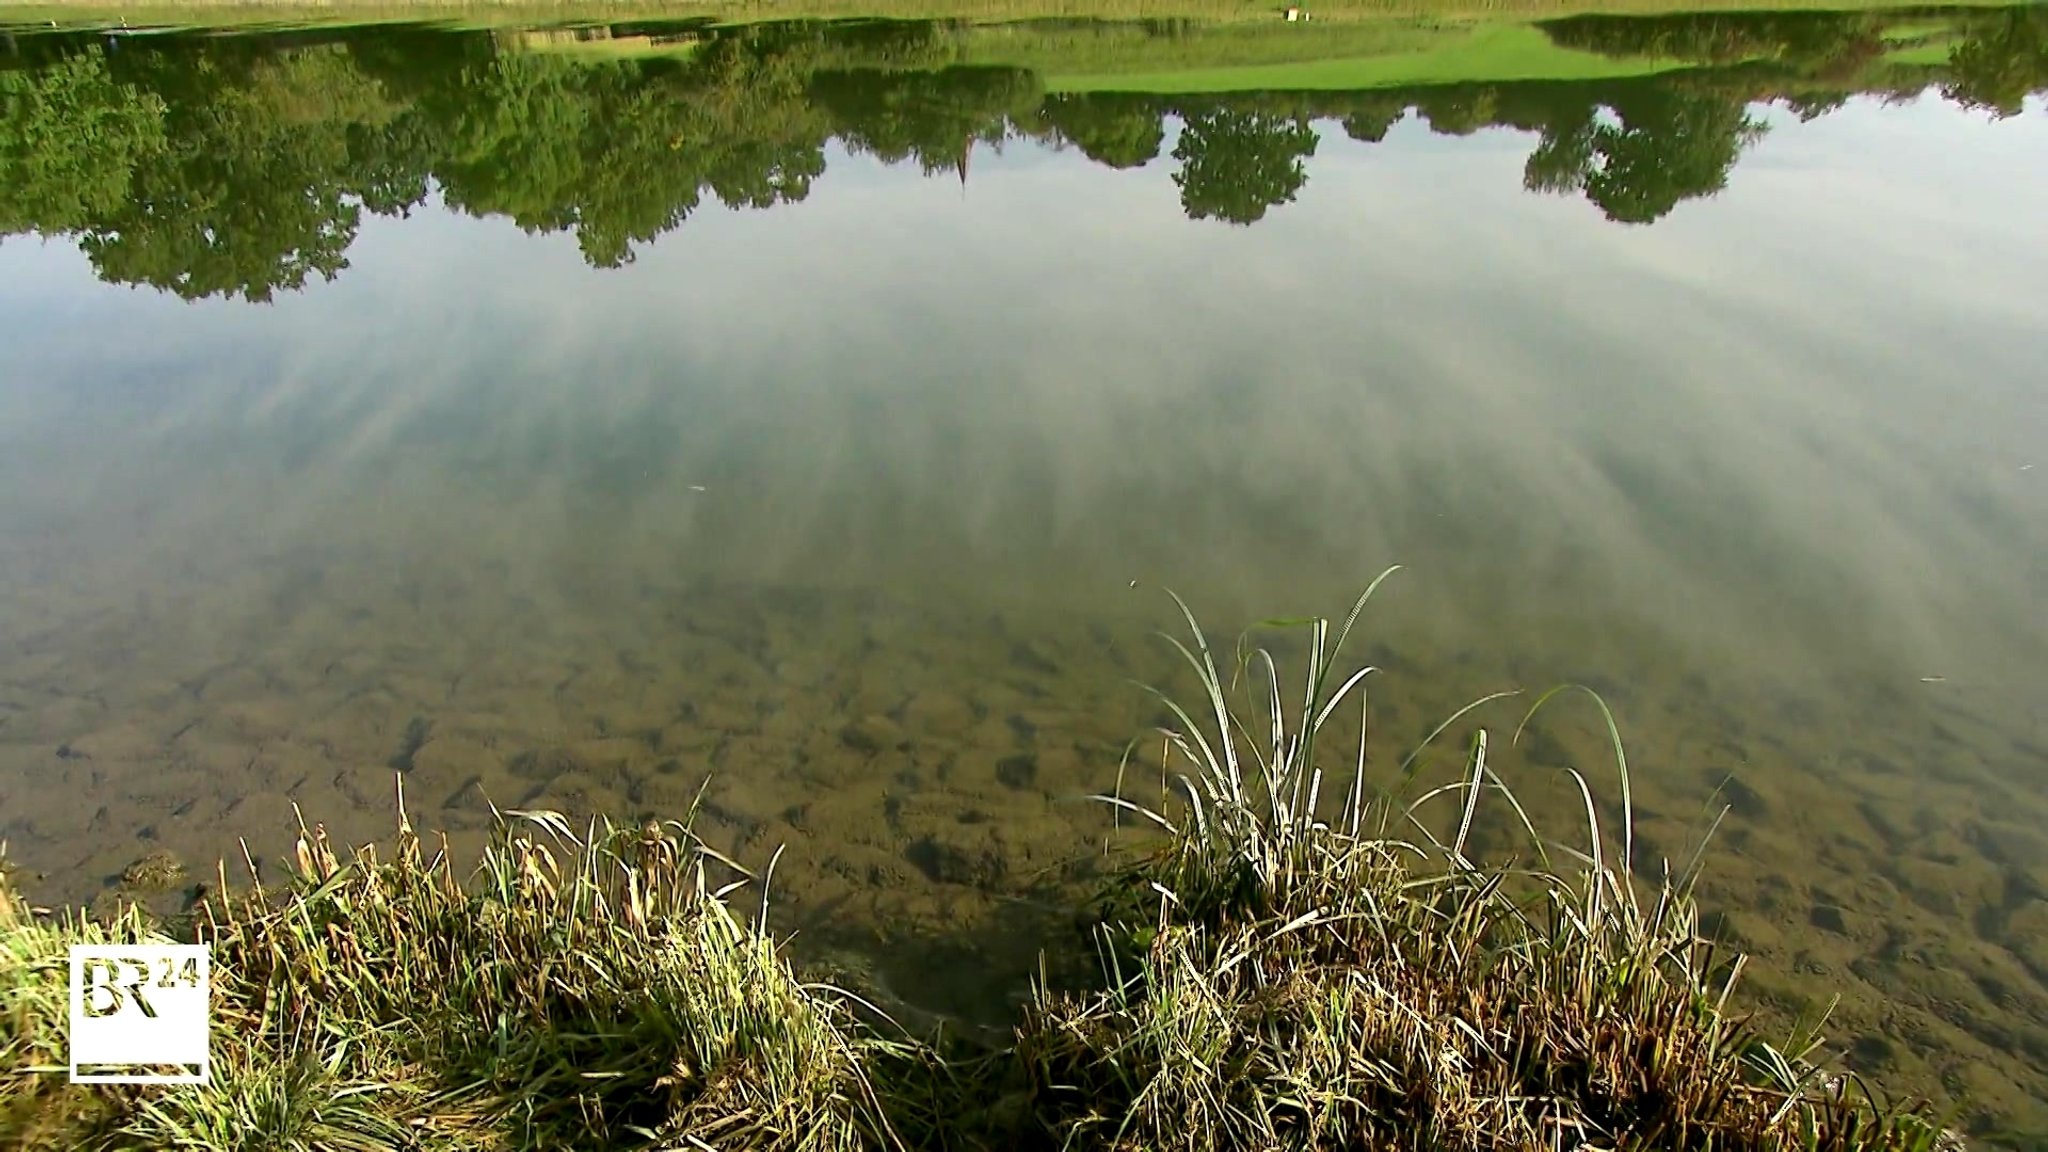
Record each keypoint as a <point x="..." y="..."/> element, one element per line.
<point x="1820" y="45"/>
<point x="931" y="118"/>
<point x="1234" y="165"/>
<point x="2002" y="62"/>
<point x="1373" y="115"/>
<point x="1565" y="152"/>
<point x="1643" y="154"/>
<point x="1120" y="131"/>
<point x="71" y="138"/>
<point x="243" y="166"/>
<point x="1460" y="110"/>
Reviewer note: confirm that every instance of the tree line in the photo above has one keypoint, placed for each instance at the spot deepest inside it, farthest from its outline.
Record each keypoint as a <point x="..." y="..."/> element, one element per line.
<point x="242" y="166"/>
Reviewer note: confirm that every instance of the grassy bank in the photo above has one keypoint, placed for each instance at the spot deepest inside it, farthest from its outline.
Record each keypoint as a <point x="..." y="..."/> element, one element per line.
<point x="1291" y="956"/>
<point x="575" y="990"/>
<point x="1504" y="53"/>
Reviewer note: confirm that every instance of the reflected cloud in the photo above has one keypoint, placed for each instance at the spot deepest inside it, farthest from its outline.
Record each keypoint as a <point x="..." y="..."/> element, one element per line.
<point x="1050" y="388"/>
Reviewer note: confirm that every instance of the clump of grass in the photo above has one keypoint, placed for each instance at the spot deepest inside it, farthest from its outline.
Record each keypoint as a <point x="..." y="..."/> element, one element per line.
<point x="1337" y="975"/>
<point x="589" y="989"/>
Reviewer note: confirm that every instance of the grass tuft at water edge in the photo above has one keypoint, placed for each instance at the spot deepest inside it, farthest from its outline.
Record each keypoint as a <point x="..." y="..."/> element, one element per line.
<point x="1303" y="963"/>
<point x="578" y="988"/>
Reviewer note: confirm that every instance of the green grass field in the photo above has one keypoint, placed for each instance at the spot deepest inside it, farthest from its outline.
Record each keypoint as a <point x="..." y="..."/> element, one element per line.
<point x="1162" y="47"/>
<point x="1088" y="48"/>
<point x="1924" y="55"/>
<point x="1493" y="52"/>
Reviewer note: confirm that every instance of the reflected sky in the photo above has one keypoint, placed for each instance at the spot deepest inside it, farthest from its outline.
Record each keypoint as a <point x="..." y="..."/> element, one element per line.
<point x="1788" y="427"/>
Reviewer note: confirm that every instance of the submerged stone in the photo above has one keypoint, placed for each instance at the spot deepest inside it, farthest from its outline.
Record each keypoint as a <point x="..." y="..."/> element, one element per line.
<point x="950" y="862"/>
<point x="1019" y="771"/>
<point x="872" y="734"/>
<point x="939" y="713"/>
<point x="156" y="872"/>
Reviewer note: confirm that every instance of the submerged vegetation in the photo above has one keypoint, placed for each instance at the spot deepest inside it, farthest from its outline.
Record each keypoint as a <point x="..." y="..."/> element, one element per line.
<point x="1294" y="956"/>
<point x="244" y="165"/>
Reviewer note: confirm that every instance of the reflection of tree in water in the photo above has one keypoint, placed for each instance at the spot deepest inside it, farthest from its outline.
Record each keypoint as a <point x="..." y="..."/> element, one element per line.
<point x="1121" y="131"/>
<point x="1372" y="115"/>
<point x="1234" y="165"/>
<point x="70" y="140"/>
<point x="223" y="180"/>
<point x="617" y="154"/>
<point x="930" y="117"/>
<point x="1670" y="147"/>
<point x="1643" y="153"/>
<point x="2004" y="61"/>
<point x="243" y="165"/>
<point x="1822" y="45"/>
<point x="1459" y="110"/>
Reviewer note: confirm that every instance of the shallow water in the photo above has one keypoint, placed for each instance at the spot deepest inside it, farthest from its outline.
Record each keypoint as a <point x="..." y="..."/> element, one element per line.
<point x="559" y="493"/>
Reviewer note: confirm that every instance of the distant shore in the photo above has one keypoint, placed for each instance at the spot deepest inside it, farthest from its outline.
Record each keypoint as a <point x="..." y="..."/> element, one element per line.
<point x="488" y="12"/>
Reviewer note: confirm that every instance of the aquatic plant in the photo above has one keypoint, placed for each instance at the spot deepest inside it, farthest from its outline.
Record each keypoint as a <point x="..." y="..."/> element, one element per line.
<point x="574" y="990"/>
<point x="1291" y="974"/>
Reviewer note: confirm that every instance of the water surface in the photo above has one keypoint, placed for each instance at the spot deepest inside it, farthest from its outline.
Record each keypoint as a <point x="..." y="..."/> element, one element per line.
<point x="796" y="407"/>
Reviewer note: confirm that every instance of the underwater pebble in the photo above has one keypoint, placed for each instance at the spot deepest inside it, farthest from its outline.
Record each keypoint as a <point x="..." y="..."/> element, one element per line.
<point x="976" y="864"/>
<point x="1018" y="771"/>
<point x="445" y="759"/>
<point x="872" y="734"/>
<point x="939" y="713"/>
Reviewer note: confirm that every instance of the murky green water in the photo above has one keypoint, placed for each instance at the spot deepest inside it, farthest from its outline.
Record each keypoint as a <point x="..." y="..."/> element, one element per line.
<point x="565" y="420"/>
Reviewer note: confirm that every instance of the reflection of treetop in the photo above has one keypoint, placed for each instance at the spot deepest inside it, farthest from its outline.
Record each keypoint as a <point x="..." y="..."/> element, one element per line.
<point x="242" y="165"/>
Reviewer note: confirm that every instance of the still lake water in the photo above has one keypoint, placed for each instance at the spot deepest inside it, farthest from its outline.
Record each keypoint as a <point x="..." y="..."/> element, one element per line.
<point x="840" y="502"/>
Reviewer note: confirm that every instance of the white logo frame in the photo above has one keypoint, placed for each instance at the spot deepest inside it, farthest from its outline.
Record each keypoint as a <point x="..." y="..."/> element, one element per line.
<point x="138" y="1009"/>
